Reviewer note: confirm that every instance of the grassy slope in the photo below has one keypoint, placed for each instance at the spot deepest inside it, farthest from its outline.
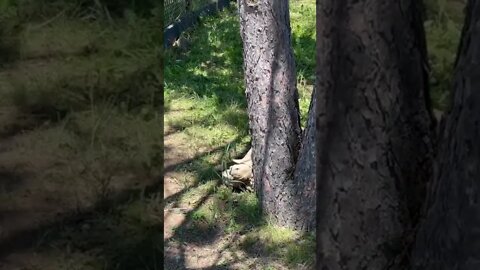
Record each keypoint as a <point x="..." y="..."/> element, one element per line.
<point x="80" y="124"/>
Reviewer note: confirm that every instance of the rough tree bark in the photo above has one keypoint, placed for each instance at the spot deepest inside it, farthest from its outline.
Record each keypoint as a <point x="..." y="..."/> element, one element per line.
<point x="449" y="237"/>
<point x="274" y="117"/>
<point x="374" y="131"/>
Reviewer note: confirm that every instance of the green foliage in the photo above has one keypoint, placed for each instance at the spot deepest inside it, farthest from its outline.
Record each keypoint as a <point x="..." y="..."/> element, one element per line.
<point x="443" y="30"/>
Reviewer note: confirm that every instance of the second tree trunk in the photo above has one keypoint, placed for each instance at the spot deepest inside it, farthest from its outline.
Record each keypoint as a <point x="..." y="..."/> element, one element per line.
<point x="374" y="131"/>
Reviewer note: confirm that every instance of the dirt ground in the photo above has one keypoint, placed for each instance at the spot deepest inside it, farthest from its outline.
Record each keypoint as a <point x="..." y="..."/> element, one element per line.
<point x="188" y="245"/>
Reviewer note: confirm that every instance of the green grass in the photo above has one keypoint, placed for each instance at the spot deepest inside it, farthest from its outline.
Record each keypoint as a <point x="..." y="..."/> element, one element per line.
<point x="443" y="29"/>
<point x="210" y="73"/>
<point x="205" y="102"/>
<point x="294" y="248"/>
<point x="81" y="126"/>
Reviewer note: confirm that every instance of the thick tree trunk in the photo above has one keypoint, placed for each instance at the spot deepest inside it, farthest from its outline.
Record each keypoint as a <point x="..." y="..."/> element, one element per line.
<point x="272" y="105"/>
<point x="305" y="173"/>
<point x="374" y="130"/>
<point x="449" y="238"/>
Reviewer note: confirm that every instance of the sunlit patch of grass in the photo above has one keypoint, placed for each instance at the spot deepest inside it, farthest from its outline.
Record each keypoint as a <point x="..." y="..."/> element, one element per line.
<point x="232" y="211"/>
<point x="191" y="197"/>
<point x="305" y="95"/>
<point x="289" y="245"/>
<point x="213" y="67"/>
<point x="207" y="213"/>
<point x="246" y="209"/>
<point x="304" y="35"/>
<point x="443" y="30"/>
<point x="208" y="121"/>
<point x="442" y="41"/>
<point x="211" y="71"/>
<point x="210" y="136"/>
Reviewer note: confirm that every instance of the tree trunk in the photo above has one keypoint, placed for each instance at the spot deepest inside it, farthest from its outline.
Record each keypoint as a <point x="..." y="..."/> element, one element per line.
<point x="374" y="131"/>
<point x="449" y="237"/>
<point x="273" y="109"/>
<point x="305" y="173"/>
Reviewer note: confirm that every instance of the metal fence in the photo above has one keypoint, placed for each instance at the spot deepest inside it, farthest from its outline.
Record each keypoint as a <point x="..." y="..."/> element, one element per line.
<point x="175" y="9"/>
<point x="182" y="14"/>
